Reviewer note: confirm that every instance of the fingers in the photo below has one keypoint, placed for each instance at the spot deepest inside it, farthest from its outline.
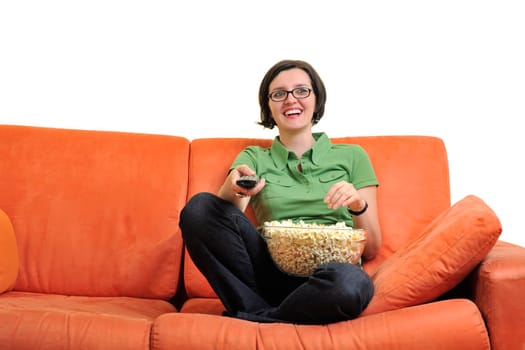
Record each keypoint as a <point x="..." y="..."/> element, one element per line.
<point x="244" y="170"/>
<point x="241" y="192"/>
<point x="235" y="174"/>
<point x="341" y="194"/>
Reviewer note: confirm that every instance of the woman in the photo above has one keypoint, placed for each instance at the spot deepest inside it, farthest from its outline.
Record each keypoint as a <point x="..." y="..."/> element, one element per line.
<point x="303" y="176"/>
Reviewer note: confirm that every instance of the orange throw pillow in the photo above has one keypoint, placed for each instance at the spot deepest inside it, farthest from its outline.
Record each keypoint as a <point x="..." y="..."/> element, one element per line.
<point x="8" y="254"/>
<point x="438" y="259"/>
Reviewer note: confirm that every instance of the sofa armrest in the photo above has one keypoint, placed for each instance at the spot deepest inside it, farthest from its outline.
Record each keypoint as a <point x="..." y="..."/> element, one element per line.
<point x="8" y="254"/>
<point x="497" y="286"/>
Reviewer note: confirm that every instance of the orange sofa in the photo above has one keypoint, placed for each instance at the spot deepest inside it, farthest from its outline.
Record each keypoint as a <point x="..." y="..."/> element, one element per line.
<point x="91" y="255"/>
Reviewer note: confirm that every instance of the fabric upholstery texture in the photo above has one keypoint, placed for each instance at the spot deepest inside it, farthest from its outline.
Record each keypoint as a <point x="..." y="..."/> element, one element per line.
<point x="91" y="255"/>
<point x="438" y="259"/>
<point x="90" y="215"/>
<point x="432" y="326"/>
<point x="8" y="254"/>
<point x="497" y="285"/>
<point x="47" y="321"/>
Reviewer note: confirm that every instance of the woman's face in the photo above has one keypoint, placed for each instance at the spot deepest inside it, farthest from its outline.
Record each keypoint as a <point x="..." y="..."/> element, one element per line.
<point x="292" y="113"/>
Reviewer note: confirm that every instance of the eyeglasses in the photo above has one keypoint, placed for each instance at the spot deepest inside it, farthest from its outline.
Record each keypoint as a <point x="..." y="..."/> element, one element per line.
<point x="281" y="95"/>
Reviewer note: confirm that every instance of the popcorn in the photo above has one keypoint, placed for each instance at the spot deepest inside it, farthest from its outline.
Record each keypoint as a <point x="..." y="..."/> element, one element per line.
<point x="299" y="248"/>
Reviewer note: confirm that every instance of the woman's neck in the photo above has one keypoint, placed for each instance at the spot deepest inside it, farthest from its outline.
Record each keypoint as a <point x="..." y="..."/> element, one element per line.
<point x="297" y="143"/>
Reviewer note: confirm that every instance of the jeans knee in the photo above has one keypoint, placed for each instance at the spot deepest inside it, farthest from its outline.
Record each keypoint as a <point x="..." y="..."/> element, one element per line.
<point x="195" y="212"/>
<point x="351" y="287"/>
<point x="196" y="207"/>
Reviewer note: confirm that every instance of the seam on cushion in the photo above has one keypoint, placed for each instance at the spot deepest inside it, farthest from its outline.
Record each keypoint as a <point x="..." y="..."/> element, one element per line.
<point x="154" y="335"/>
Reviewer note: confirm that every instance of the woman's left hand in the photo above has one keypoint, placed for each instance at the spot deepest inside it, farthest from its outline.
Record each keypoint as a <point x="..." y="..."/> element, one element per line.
<point x="343" y="194"/>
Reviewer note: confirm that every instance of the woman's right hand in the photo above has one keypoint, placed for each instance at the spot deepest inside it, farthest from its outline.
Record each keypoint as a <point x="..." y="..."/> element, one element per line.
<point x="236" y="194"/>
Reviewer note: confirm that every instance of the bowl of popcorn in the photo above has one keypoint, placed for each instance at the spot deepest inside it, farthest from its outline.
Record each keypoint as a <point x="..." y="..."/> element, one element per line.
<point x="299" y="248"/>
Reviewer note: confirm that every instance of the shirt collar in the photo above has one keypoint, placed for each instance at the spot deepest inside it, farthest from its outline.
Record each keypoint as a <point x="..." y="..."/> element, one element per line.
<point x="280" y="154"/>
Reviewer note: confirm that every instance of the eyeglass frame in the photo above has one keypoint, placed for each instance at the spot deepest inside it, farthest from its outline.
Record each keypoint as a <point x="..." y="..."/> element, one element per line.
<point x="288" y="92"/>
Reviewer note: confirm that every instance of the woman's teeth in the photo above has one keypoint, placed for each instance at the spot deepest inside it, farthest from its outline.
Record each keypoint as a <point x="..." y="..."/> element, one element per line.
<point x="293" y="111"/>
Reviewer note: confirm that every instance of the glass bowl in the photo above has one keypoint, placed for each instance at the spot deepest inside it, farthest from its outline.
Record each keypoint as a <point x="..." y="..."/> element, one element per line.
<point x="299" y="248"/>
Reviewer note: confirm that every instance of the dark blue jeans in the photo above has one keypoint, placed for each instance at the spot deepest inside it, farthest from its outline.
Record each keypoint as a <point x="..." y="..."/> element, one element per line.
<point x="229" y="251"/>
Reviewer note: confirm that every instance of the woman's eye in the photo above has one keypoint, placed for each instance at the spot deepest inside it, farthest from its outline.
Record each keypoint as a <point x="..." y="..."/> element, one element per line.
<point x="278" y="94"/>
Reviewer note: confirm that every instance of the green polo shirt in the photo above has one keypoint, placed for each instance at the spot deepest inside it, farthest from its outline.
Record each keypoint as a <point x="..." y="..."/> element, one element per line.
<point x="298" y="195"/>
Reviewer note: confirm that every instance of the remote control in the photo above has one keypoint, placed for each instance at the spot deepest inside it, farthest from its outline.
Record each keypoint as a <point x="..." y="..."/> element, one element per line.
<point x="248" y="181"/>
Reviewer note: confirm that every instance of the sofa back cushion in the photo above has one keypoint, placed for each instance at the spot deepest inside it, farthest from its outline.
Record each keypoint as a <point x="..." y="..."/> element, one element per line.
<point x="412" y="171"/>
<point x="94" y="212"/>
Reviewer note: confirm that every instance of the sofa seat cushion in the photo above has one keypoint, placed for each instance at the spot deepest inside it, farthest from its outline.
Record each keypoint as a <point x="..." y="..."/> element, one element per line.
<point x="212" y="306"/>
<point x="436" y="261"/>
<point x="38" y="321"/>
<point x="451" y="324"/>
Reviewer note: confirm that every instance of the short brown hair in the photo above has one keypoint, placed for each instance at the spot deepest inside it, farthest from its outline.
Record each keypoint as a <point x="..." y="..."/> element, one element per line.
<point x="318" y="87"/>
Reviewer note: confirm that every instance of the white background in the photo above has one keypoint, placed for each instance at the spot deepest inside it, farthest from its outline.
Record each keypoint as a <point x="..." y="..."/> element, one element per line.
<point x="453" y="69"/>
